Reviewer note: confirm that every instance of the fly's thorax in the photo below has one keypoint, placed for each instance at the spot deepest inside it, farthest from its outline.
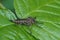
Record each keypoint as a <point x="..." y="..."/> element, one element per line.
<point x="30" y="20"/>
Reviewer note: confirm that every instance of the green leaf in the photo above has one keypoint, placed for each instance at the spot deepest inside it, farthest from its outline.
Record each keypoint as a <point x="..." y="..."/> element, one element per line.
<point x="47" y="13"/>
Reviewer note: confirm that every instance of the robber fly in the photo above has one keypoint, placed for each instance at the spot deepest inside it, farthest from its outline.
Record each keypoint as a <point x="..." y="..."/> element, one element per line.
<point x="26" y="21"/>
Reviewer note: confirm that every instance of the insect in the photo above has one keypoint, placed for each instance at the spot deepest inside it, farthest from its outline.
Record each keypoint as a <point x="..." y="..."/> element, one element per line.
<point x="27" y="21"/>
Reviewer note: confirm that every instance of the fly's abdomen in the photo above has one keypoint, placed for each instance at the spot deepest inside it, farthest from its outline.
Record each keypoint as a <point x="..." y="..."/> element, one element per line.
<point x="18" y="21"/>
